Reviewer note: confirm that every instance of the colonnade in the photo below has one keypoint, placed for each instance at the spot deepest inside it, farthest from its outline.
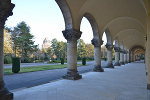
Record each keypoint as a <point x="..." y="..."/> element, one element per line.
<point x="72" y="35"/>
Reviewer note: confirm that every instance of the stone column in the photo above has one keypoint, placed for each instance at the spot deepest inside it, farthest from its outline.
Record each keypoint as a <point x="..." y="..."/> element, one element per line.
<point x="129" y="57"/>
<point x="132" y="57"/>
<point x="97" y="55"/>
<point x="5" y="11"/>
<point x="125" y="57"/>
<point x="72" y="35"/>
<point x="109" y="56"/>
<point x="117" y="53"/>
<point x="122" y="57"/>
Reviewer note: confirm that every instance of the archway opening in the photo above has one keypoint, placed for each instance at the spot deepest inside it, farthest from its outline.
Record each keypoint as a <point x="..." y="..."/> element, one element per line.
<point x="84" y="46"/>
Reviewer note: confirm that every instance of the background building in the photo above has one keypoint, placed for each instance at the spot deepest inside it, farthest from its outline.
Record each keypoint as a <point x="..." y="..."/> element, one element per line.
<point x="46" y="43"/>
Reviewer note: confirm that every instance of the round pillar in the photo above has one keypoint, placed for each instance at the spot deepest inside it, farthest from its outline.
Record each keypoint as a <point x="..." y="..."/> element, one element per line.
<point x="109" y="56"/>
<point x="72" y="36"/>
<point x="97" y="55"/>
<point x="5" y="12"/>
<point x="125" y="57"/>
<point x="122" y="57"/>
<point x="117" y="53"/>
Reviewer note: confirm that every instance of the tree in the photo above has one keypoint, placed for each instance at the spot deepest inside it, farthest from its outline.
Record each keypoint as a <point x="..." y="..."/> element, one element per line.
<point x="113" y="53"/>
<point x="81" y="49"/>
<point x="25" y="40"/>
<point x="89" y="50"/>
<point x="49" y="52"/>
<point x="61" y="49"/>
<point x="54" y="45"/>
<point x="14" y="35"/>
<point x="103" y="52"/>
<point x="7" y="43"/>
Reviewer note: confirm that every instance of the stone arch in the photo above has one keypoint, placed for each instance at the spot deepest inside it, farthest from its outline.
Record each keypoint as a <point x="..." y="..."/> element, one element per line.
<point x="93" y="23"/>
<point x="144" y="6"/>
<point x="122" y="18"/>
<point x="131" y="38"/>
<point x="137" y="46"/>
<point x="66" y="13"/>
<point x="108" y="35"/>
<point x="133" y="30"/>
<point x="116" y="42"/>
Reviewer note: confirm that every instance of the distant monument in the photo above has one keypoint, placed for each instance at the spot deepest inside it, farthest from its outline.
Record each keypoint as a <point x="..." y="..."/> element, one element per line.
<point x="46" y="43"/>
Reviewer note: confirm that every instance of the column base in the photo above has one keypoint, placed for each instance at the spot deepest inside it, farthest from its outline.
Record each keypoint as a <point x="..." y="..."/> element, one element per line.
<point x="117" y="64"/>
<point x="110" y="65"/>
<point x="4" y="93"/>
<point x="97" y="68"/>
<point x="148" y="86"/>
<point x="146" y="73"/>
<point x="72" y="75"/>
<point x="126" y="62"/>
<point x="122" y="63"/>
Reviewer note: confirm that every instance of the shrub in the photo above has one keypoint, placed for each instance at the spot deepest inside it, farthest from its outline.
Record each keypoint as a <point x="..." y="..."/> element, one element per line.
<point x="7" y="60"/>
<point x="83" y="61"/>
<point x="15" y="64"/>
<point x="46" y="58"/>
<point x="37" y="61"/>
<point x="62" y="61"/>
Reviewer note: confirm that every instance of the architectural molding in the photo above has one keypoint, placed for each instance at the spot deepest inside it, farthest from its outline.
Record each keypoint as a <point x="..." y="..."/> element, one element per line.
<point x="6" y="8"/>
<point x="71" y="34"/>
<point x="117" y="49"/>
<point x="97" y="42"/>
<point x="122" y="51"/>
<point x="109" y="47"/>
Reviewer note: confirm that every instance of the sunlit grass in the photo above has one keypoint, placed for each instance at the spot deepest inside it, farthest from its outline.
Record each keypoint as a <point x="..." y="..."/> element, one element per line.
<point x="8" y="71"/>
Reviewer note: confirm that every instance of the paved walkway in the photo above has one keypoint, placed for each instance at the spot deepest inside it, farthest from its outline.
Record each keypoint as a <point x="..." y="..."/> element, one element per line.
<point x="127" y="82"/>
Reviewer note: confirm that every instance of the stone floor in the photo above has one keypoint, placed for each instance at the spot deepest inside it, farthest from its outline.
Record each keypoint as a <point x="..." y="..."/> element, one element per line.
<point x="127" y="82"/>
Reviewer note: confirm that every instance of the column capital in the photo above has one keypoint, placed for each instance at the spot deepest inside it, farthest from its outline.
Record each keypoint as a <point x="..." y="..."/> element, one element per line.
<point x="117" y="49"/>
<point x="71" y="34"/>
<point x="6" y="8"/>
<point x="97" y="42"/>
<point x="121" y="51"/>
<point x="125" y="52"/>
<point x="109" y="47"/>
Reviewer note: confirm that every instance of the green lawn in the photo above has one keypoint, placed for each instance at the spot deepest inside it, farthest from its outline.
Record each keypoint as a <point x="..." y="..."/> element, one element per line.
<point x="8" y="71"/>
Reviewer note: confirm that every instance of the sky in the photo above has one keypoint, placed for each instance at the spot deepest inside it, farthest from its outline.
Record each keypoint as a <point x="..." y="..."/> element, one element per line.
<point x="45" y="20"/>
